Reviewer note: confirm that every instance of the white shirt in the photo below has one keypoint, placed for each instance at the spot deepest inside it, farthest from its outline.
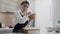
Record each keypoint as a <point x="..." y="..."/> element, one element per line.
<point x="18" y="18"/>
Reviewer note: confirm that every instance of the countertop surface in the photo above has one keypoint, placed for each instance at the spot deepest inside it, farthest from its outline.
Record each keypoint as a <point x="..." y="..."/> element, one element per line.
<point x="52" y="33"/>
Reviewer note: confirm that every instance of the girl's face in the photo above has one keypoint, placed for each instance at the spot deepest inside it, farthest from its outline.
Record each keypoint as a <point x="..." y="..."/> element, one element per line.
<point x="24" y="7"/>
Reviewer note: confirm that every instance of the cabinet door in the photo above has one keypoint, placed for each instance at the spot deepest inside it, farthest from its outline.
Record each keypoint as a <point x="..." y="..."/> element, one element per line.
<point x="56" y="12"/>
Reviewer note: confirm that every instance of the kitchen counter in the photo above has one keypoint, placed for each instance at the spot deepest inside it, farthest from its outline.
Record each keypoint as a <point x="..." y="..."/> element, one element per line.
<point x="52" y="33"/>
<point x="30" y="30"/>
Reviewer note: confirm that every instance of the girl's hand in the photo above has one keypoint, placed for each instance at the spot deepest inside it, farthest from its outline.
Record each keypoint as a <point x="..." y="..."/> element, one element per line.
<point x="32" y="16"/>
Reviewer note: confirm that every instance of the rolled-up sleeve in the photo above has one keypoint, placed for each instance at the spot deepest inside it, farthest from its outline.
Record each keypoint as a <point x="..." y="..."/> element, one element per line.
<point x="21" y="19"/>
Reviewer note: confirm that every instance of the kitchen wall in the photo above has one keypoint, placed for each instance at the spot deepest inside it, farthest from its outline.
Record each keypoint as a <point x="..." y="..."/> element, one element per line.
<point x="9" y="5"/>
<point x="0" y="4"/>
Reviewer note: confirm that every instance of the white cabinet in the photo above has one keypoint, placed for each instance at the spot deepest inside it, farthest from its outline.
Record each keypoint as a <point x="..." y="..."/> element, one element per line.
<point x="6" y="18"/>
<point x="56" y="12"/>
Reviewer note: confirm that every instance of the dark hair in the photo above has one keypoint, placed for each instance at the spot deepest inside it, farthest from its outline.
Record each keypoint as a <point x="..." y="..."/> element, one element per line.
<point x="25" y="2"/>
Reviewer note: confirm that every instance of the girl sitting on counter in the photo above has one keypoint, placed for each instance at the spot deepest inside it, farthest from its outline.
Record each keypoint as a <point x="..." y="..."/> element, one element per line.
<point x="22" y="18"/>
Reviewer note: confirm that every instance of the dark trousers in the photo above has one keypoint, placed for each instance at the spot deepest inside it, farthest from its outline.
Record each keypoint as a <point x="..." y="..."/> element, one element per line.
<point x="19" y="26"/>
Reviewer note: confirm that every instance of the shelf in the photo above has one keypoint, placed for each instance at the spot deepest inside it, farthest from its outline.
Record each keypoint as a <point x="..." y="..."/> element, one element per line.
<point x="6" y="12"/>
